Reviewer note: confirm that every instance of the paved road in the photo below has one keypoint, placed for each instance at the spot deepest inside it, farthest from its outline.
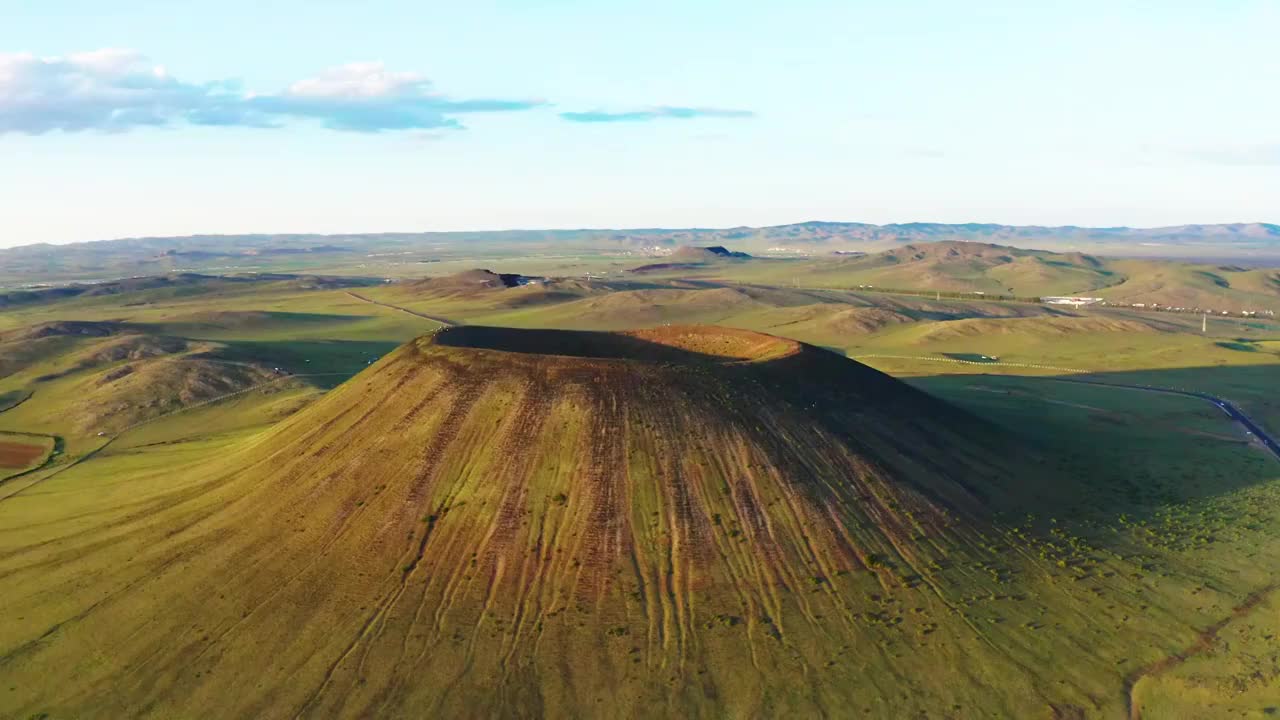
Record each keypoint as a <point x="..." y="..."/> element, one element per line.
<point x="443" y="321"/>
<point x="1232" y="411"/>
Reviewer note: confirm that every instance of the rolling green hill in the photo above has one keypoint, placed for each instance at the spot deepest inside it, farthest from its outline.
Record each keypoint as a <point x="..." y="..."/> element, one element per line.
<point x="589" y="524"/>
<point x="101" y="377"/>
<point x="681" y="520"/>
<point x="1217" y="287"/>
<point x="666" y="521"/>
<point x="969" y="267"/>
<point x="379" y="254"/>
<point x="949" y="266"/>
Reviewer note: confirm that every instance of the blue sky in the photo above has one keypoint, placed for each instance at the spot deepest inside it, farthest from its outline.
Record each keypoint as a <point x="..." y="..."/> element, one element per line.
<point x="156" y="118"/>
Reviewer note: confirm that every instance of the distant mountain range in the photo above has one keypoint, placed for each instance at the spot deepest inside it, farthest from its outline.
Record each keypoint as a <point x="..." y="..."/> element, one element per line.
<point x="1251" y="235"/>
<point x="291" y="252"/>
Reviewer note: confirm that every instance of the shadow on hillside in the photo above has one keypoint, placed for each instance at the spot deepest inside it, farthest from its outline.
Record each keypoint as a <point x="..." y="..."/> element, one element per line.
<point x="572" y="343"/>
<point x="342" y="358"/>
<point x="1126" y="451"/>
<point x="221" y="320"/>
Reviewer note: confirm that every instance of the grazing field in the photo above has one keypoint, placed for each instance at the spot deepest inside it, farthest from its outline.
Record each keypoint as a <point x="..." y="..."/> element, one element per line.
<point x="446" y="496"/>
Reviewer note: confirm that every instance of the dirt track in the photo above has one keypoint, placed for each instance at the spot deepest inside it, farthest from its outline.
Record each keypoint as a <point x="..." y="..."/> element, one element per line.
<point x="415" y="313"/>
<point x="1204" y="642"/>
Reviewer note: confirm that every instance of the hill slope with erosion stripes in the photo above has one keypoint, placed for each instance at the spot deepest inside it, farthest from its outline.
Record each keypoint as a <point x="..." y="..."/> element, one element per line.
<point x="493" y="522"/>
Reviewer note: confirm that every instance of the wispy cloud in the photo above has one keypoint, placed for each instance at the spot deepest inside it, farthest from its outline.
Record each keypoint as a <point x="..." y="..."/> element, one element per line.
<point x="656" y="113"/>
<point x="121" y="90"/>
<point x="1258" y="155"/>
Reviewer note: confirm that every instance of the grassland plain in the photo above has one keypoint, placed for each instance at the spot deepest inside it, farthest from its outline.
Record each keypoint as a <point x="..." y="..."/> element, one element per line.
<point x="1122" y="527"/>
<point x="1162" y="475"/>
<point x="567" y="251"/>
<point x="953" y="265"/>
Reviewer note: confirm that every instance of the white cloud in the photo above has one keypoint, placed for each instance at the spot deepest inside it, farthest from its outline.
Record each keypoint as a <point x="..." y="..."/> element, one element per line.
<point x="118" y="90"/>
<point x="115" y="90"/>
<point x="110" y="90"/>
<point x="361" y="80"/>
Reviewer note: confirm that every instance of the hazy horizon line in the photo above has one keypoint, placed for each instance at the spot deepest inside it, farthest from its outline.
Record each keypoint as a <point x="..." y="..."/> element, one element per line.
<point x="650" y="228"/>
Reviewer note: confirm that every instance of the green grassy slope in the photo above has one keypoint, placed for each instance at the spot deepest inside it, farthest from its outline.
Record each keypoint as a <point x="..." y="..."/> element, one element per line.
<point x="1165" y="481"/>
<point x="1205" y="286"/>
<point x="276" y="555"/>
<point x="676" y="521"/>
<point x="947" y="266"/>
<point x="558" y="536"/>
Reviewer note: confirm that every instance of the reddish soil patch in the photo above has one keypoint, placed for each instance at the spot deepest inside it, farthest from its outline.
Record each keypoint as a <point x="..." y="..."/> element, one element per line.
<point x="18" y="455"/>
<point x="718" y="342"/>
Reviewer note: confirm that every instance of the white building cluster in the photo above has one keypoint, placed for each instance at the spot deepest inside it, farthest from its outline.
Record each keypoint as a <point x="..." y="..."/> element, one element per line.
<point x="1070" y="300"/>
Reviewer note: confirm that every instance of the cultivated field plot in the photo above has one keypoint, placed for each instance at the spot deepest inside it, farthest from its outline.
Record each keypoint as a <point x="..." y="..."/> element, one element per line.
<point x="19" y="453"/>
